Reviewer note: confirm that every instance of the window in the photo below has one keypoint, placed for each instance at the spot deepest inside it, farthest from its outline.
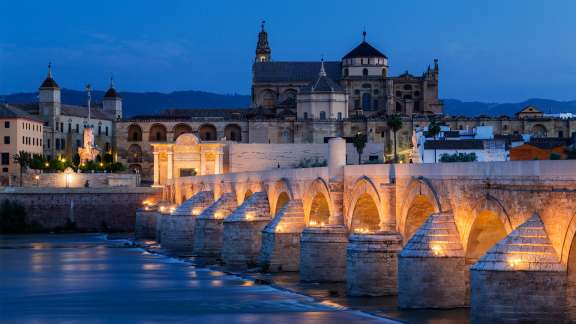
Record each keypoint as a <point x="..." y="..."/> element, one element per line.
<point x="107" y="147"/>
<point x="62" y="127"/>
<point x="398" y="93"/>
<point x="7" y="124"/>
<point x="356" y="104"/>
<point x="6" y="139"/>
<point x="416" y="93"/>
<point x="407" y="87"/>
<point x="365" y="73"/>
<point x="48" y="143"/>
<point x="57" y="143"/>
<point x="305" y="115"/>
<point x="77" y="128"/>
<point x="63" y="144"/>
<point x="5" y="158"/>
<point x="99" y="130"/>
<point x="346" y="72"/>
<point x="366" y="86"/>
<point x="106" y="130"/>
<point x="366" y="101"/>
<point x="187" y="172"/>
<point x="375" y="103"/>
<point x="322" y="115"/>
<point x="78" y="143"/>
<point x="560" y="134"/>
<point x="69" y="128"/>
<point x="339" y="116"/>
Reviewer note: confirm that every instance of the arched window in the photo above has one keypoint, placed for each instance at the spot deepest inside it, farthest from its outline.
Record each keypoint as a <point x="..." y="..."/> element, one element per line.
<point x="233" y="132"/>
<point x="322" y="115"/>
<point x="268" y="99"/>
<point x="366" y="101"/>
<point x="157" y="133"/>
<point x="207" y="132"/>
<point x="290" y="94"/>
<point x="365" y="73"/>
<point x="134" y="154"/>
<point x="181" y="129"/>
<point x="134" y="133"/>
<point x="539" y="131"/>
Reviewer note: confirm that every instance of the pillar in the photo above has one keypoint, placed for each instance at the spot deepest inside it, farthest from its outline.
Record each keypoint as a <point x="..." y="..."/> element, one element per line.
<point x="178" y="226"/>
<point x="243" y="232"/>
<point x="156" y="169"/>
<point x="281" y="239"/>
<point x="209" y="231"/>
<point x="431" y="268"/>
<point x="520" y="280"/>
<point x="170" y="170"/>
<point x="372" y="264"/>
<point x="323" y="254"/>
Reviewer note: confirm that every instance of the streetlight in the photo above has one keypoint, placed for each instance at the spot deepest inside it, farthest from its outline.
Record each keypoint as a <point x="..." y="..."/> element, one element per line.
<point x="37" y="177"/>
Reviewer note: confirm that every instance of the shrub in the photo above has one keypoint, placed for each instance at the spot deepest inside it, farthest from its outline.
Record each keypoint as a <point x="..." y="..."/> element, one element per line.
<point x="555" y="156"/>
<point x="459" y="157"/>
<point x="311" y="163"/>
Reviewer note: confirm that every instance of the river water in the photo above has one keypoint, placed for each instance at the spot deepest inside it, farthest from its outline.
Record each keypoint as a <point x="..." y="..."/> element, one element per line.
<point x="83" y="278"/>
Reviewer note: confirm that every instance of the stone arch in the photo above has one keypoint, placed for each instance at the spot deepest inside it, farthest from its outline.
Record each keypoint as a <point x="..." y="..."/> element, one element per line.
<point x="207" y="132"/>
<point x="317" y="203"/>
<point x="420" y="199"/>
<point x="363" y="189"/>
<point x="539" y="130"/>
<point x="134" y="133"/>
<point x="568" y="258"/>
<point x="180" y="129"/>
<point x="365" y="215"/>
<point x="134" y="153"/>
<point x="233" y="132"/>
<point x="280" y="188"/>
<point x="157" y="133"/>
<point x="490" y="223"/>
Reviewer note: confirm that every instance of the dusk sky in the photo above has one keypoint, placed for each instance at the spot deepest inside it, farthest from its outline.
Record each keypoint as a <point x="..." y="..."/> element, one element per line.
<point x="491" y="50"/>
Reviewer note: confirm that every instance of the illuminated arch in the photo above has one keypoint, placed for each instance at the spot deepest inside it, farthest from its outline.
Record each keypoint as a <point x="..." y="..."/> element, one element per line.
<point x="362" y="189"/>
<point x="318" y="200"/>
<point x="419" y="198"/>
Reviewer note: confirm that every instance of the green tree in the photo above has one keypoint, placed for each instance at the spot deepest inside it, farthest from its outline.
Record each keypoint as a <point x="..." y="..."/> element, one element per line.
<point x="76" y="160"/>
<point x="433" y="130"/>
<point x="359" y="140"/>
<point x="394" y="122"/>
<point x="23" y="159"/>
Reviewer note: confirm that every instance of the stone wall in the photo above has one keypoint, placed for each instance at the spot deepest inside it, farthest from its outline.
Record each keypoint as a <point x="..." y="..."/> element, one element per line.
<point x="89" y="209"/>
<point x="255" y="157"/>
<point x="78" y="180"/>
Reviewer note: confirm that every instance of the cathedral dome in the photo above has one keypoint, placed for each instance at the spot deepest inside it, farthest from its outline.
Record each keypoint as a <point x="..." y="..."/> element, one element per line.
<point x="364" y="50"/>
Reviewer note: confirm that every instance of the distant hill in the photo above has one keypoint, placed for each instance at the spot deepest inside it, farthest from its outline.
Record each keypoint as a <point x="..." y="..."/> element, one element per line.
<point x="456" y="107"/>
<point x="145" y="103"/>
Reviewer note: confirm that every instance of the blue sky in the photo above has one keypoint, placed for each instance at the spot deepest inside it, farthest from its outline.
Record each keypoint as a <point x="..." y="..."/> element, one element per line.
<point x="490" y="50"/>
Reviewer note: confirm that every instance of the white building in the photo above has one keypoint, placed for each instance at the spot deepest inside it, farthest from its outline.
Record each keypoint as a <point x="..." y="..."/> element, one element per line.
<point x="479" y="141"/>
<point x="322" y="99"/>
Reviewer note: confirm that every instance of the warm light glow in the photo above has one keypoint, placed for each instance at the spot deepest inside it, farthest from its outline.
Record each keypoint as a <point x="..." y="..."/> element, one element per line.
<point x="514" y="261"/>
<point x="313" y="223"/>
<point x="437" y="249"/>
<point x="218" y="214"/>
<point x="101" y="164"/>
<point x="362" y="230"/>
<point x="46" y="164"/>
<point x="146" y="208"/>
<point x="250" y="215"/>
<point x="37" y="177"/>
<point x="172" y="209"/>
<point x="63" y="160"/>
<point x="162" y="208"/>
<point x="196" y="211"/>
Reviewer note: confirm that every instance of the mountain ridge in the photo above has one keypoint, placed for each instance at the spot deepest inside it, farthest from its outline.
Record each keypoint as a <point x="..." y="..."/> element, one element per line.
<point x="147" y="103"/>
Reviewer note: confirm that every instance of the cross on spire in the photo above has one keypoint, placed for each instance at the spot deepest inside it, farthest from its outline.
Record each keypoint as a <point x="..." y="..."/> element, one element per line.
<point x="50" y="69"/>
<point x="262" y="24"/>
<point x="364" y="35"/>
<point x="322" y="71"/>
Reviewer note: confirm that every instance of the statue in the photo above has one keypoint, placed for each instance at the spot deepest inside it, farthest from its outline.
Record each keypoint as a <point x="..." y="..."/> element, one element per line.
<point x="88" y="151"/>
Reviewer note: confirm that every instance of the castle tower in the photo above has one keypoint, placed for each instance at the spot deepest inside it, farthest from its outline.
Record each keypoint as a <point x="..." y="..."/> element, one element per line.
<point x="112" y="102"/>
<point x="49" y="98"/>
<point x="263" y="51"/>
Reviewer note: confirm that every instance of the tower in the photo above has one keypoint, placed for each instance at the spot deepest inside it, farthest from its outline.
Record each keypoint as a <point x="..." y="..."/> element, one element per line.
<point x="112" y="102"/>
<point x="49" y="98"/>
<point x="263" y="51"/>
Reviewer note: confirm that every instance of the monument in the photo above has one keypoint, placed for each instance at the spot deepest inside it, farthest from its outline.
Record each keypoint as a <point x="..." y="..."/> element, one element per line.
<point x="88" y="152"/>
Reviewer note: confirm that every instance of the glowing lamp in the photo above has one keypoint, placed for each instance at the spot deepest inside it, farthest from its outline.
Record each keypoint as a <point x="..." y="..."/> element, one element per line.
<point x="437" y="249"/>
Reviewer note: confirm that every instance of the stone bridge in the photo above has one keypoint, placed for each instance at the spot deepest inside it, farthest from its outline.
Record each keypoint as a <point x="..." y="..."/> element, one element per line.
<point x="496" y="236"/>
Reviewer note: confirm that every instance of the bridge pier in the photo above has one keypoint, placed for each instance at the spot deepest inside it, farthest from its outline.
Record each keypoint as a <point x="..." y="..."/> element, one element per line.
<point x="520" y="280"/>
<point x="178" y="226"/>
<point x="432" y="272"/>
<point x="323" y="254"/>
<point x="242" y="238"/>
<point x="281" y="239"/>
<point x="145" y="225"/>
<point x="210" y="226"/>
<point x="372" y="264"/>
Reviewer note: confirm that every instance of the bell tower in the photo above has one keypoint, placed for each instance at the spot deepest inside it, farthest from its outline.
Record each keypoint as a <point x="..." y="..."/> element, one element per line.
<point x="49" y="98"/>
<point x="263" y="51"/>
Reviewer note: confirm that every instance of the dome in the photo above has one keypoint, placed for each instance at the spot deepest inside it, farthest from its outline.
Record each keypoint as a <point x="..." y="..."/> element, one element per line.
<point x="364" y="50"/>
<point x="111" y="93"/>
<point x="49" y="82"/>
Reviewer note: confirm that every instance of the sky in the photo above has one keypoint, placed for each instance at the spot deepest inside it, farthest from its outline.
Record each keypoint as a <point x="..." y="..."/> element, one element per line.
<point x="490" y="50"/>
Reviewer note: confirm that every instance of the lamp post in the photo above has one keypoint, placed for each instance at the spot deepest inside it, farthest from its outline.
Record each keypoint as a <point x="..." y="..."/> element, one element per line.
<point x="37" y="177"/>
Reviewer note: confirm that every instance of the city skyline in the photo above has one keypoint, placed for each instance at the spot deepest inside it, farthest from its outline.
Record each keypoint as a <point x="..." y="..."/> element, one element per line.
<point x="486" y="52"/>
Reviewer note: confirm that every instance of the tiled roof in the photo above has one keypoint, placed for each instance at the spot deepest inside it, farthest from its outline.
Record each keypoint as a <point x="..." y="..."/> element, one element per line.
<point x="322" y="84"/>
<point x="9" y="111"/>
<point x="467" y="144"/>
<point x="49" y="83"/>
<point x="111" y="93"/>
<point x="67" y="110"/>
<point x="294" y="71"/>
<point x="364" y="50"/>
<point x="547" y="143"/>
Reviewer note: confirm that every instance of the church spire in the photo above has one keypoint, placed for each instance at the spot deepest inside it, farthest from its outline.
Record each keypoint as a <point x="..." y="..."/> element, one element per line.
<point x="263" y="50"/>
<point x="49" y="81"/>
<point x="322" y="71"/>
<point x="364" y="35"/>
<point x="49" y="70"/>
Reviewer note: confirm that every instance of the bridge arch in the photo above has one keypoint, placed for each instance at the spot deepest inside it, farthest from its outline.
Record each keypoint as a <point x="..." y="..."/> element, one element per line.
<point x="318" y="208"/>
<point x="489" y="224"/>
<point x="279" y="195"/>
<point x="365" y="210"/>
<point x="420" y="199"/>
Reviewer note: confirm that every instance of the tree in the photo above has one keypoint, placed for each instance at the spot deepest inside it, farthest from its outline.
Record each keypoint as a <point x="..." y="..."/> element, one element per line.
<point x="76" y="160"/>
<point x="359" y="141"/>
<point x="433" y="130"/>
<point x="394" y="122"/>
<point x="23" y="159"/>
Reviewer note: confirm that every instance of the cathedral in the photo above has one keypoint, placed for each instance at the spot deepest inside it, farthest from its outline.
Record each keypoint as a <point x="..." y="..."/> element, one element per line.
<point x="362" y="75"/>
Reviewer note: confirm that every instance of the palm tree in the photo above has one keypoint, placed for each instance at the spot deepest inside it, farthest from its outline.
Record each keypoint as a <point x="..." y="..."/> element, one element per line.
<point x="394" y="122"/>
<point x="359" y="141"/>
<point x="24" y="159"/>
<point x="434" y="130"/>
